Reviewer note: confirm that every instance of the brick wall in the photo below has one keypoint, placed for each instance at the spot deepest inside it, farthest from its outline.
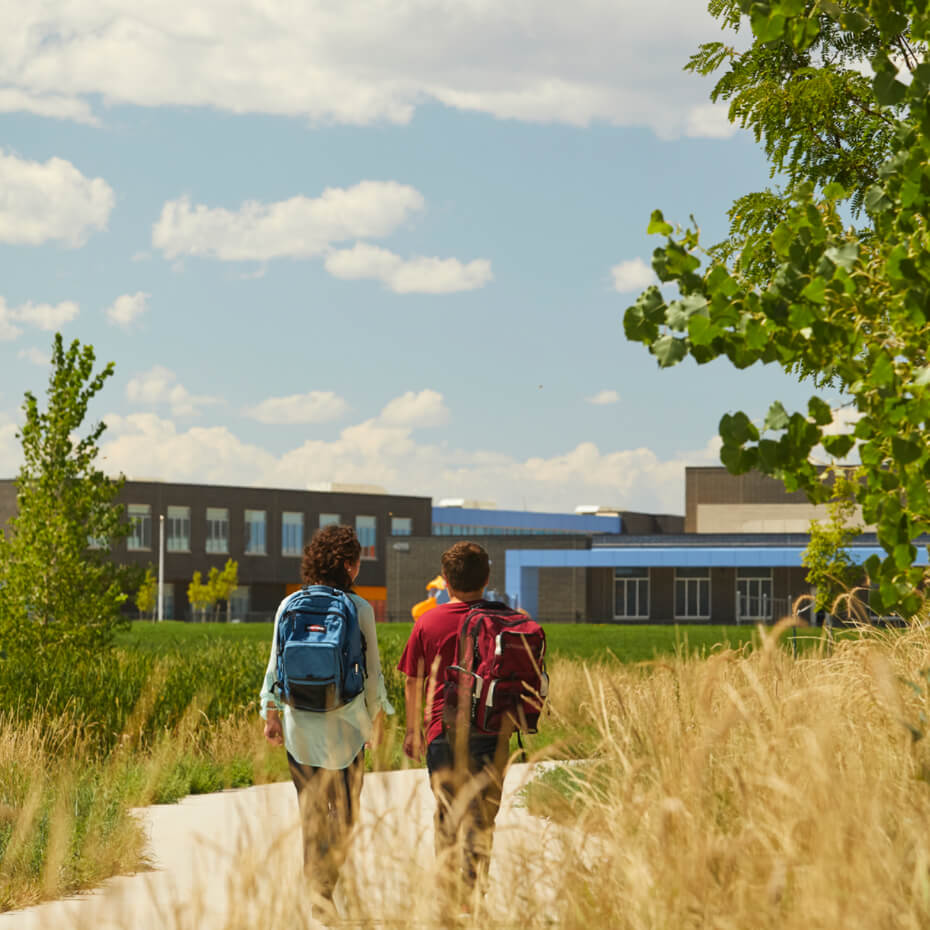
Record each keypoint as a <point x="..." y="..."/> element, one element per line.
<point x="411" y="562"/>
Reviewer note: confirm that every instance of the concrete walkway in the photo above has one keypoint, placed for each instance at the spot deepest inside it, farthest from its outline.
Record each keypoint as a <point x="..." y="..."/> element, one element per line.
<point x="232" y="860"/>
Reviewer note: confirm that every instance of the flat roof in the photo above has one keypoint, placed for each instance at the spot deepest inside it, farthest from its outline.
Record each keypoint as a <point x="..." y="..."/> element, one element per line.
<point x="672" y="556"/>
<point x="528" y="519"/>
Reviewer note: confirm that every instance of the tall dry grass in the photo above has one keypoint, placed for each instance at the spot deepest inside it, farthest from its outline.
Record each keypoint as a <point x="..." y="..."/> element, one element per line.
<point x="744" y="790"/>
<point x="756" y="790"/>
<point x="64" y="823"/>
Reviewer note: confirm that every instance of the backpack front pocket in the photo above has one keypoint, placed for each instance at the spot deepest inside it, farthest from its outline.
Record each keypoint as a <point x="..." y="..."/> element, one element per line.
<point x="312" y="672"/>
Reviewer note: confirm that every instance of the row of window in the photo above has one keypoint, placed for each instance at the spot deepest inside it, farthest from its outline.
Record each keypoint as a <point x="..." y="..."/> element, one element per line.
<point x="692" y="593"/>
<point x="178" y="530"/>
<point x="461" y="529"/>
<point x="239" y="604"/>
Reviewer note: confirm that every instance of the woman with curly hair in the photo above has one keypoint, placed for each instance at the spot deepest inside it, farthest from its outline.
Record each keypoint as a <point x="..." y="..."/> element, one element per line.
<point x="326" y="751"/>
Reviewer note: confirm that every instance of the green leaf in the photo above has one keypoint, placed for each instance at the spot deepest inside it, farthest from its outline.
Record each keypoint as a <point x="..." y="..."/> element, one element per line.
<point x="838" y="446"/>
<point x="669" y="350"/>
<point x="815" y="291"/>
<point x="888" y="90"/>
<point x="905" y="451"/>
<point x="737" y="429"/>
<point x="701" y="331"/>
<point x="844" y="256"/>
<point x="800" y="317"/>
<point x="923" y="377"/>
<point x="882" y="372"/>
<point x="820" y="411"/>
<point x="877" y="201"/>
<point x="657" y="225"/>
<point x="768" y="26"/>
<point x="777" y="417"/>
<point x="854" y="21"/>
<point x="680" y="311"/>
<point x="904" y="555"/>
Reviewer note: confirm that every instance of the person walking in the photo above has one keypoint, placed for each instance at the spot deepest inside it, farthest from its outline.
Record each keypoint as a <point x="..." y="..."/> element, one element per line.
<point x="466" y="768"/>
<point x="325" y="745"/>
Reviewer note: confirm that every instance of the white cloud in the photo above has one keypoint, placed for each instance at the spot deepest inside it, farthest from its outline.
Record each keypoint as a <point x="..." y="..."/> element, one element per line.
<point x="51" y="105"/>
<point x="11" y="452"/>
<point x="43" y="316"/>
<point x="313" y="407"/>
<point x="415" y="409"/>
<point x="51" y="200"/>
<point x="300" y="227"/>
<point x="603" y="398"/>
<point x="632" y="275"/>
<point x="47" y="316"/>
<point x="362" y="61"/>
<point x="36" y="356"/>
<point x="419" y="275"/>
<point x="384" y="450"/>
<point x="144" y="444"/>
<point x="8" y="329"/>
<point x="710" y="121"/>
<point x="160" y="387"/>
<point x="127" y="308"/>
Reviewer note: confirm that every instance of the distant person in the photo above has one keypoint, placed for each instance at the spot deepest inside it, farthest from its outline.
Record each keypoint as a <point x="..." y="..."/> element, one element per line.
<point x="467" y="757"/>
<point x="324" y="710"/>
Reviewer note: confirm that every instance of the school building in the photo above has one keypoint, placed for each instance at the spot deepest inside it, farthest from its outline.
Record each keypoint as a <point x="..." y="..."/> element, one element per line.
<point x="733" y="557"/>
<point x="264" y="530"/>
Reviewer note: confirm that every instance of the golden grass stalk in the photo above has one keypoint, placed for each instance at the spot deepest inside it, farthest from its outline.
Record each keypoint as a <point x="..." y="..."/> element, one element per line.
<point x="740" y="790"/>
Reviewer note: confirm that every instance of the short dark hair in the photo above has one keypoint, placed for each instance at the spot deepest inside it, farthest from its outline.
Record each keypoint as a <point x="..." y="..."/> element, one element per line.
<point x="325" y="557"/>
<point x="466" y="567"/>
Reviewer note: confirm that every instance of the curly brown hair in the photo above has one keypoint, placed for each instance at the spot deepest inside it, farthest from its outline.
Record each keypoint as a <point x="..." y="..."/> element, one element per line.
<point x="325" y="557"/>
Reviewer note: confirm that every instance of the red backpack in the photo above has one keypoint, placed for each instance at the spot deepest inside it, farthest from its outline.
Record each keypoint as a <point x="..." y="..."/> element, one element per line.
<point x="500" y="673"/>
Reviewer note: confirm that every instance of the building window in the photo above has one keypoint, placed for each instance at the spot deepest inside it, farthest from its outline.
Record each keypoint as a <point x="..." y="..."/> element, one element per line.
<point x="292" y="533"/>
<point x="328" y="519"/>
<point x="366" y="530"/>
<point x="255" y="532"/>
<point x="692" y="593"/>
<point x="239" y="603"/>
<point x="178" y="529"/>
<point x="401" y="526"/>
<point x="753" y="594"/>
<point x="140" y="532"/>
<point x="631" y="593"/>
<point x="167" y="590"/>
<point x="218" y="530"/>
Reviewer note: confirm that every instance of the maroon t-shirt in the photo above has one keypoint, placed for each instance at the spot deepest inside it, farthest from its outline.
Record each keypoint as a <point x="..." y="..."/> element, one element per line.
<point x="434" y="634"/>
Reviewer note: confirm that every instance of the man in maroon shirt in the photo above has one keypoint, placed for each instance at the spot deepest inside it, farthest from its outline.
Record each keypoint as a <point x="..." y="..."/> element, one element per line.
<point x="465" y="828"/>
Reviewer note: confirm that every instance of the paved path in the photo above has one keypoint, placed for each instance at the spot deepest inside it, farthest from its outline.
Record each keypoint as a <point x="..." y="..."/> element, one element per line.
<point x="232" y="860"/>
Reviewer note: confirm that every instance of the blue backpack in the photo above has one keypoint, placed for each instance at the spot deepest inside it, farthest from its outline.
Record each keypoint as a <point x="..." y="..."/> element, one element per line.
<point x="321" y="650"/>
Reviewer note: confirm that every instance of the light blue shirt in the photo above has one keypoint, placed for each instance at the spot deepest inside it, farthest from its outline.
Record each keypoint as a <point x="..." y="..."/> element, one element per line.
<point x="333" y="739"/>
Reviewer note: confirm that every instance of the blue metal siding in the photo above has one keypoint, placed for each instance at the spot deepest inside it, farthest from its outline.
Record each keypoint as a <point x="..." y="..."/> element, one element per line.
<point x="522" y="565"/>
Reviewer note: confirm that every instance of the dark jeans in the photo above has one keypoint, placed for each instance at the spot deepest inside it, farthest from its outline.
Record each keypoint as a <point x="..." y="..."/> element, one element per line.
<point x="328" y="800"/>
<point x="468" y="797"/>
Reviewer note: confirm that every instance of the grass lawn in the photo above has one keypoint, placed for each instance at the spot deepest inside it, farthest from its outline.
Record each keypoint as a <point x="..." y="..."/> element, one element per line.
<point x="628" y="643"/>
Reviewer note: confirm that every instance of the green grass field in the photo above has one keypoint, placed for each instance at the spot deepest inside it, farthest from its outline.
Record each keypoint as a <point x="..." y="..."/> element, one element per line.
<point x="589" y="641"/>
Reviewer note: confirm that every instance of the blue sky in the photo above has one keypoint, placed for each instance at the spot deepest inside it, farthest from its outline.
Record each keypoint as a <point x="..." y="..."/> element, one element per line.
<point x="367" y="243"/>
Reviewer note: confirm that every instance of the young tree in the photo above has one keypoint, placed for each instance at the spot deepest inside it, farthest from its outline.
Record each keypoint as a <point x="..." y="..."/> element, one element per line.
<point x="805" y="292"/>
<point x="200" y="595"/>
<point x="147" y="595"/>
<point x="222" y="584"/>
<point x="58" y="586"/>
<point x="830" y="567"/>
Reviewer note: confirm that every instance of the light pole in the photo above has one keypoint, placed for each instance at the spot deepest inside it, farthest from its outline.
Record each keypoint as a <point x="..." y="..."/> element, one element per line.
<point x="161" y="567"/>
